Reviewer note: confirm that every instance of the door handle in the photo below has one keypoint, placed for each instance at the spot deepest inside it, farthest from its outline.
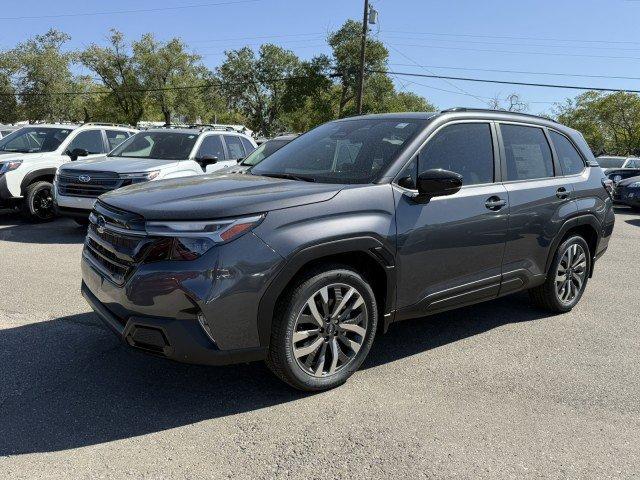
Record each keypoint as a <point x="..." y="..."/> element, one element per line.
<point x="562" y="193"/>
<point x="495" y="203"/>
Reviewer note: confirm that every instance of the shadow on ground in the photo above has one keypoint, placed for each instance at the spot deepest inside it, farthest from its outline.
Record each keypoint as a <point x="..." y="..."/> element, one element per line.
<point x="69" y="383"/>
<point x="13" y="228"/>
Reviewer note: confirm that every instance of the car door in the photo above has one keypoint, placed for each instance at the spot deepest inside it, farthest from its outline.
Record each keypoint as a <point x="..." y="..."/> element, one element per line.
<point x="540" y="201"/>
<point x="211" y="148"/>
<point x="235" y="149"/>
<point x="450" y="249"/>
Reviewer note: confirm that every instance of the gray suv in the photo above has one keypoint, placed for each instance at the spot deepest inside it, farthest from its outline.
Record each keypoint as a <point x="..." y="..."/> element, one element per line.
<point x="355" y="225"/>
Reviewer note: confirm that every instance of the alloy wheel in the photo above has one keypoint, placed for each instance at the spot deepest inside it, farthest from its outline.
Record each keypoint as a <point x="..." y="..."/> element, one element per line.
<point x="330" y="330"/>
<point x="43" y="203"/>
<point x="571" y="273"/>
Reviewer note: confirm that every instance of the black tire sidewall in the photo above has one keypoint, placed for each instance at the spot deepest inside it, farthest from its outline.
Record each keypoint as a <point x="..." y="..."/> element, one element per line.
<point x="29" y="210"/>
<point x="552" y="272"/>
<point x="298" y="377"/>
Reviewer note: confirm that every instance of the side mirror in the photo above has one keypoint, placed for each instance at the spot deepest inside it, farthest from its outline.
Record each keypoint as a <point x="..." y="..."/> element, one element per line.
<point x="205" y="160"/>
<point x="77" y="152"/>
<point x="239" y="160"/>
<point x="438" y="183"/>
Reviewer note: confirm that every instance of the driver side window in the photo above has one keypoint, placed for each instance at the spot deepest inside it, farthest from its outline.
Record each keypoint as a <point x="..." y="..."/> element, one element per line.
<point x="89" y="140"/>
<point x="211" y="147"/>
<point x="463" y="148"/>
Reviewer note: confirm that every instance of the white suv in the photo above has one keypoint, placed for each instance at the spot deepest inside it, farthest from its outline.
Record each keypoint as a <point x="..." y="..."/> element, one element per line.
<point x="155" y="154"/>
<point x="31" y="155"/>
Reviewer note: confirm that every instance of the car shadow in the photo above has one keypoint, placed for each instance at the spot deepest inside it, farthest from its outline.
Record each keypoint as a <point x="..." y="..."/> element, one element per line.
<point x="13" y="228"/>
<point x="634" y="221"/>
<point x="68" y="383"/>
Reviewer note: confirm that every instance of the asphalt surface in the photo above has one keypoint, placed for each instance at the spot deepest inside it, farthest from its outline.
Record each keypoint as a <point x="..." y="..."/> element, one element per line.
<point x="498" y="390"/>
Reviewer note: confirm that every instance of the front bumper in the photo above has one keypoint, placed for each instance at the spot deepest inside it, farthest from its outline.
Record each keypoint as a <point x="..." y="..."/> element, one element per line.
<point x="222" y="289"/>
<point x="73" y="205"/>
<point x="177" y="340"/>
<point x="627" y="196"/>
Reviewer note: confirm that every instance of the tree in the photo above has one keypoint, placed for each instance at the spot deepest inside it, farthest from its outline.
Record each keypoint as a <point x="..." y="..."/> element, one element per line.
<point x="118" y="72"/>
<point x="165" y="68"/>
<point x="256" y="86"/>
<point x="40" y="70"/>
<point x="609" y="122"/>
<point x="8" y="102"/>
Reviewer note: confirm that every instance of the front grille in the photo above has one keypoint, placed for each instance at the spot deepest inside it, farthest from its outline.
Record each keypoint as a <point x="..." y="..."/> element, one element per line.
<point x="117" y="244"/>
<point x="78" y="183"/>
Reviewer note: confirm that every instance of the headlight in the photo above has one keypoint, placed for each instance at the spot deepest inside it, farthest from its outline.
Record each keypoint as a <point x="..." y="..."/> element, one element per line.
<point x="189" y="240"/>
<point x="634" y="185"/>
<point x="9" y="166"/>
<point x="140" y="176"/>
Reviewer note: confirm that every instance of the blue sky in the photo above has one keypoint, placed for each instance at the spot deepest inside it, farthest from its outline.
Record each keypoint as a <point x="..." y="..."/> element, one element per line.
<point x="455" y="37"/>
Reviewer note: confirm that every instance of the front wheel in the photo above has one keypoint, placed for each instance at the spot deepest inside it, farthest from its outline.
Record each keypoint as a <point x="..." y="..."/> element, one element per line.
<point x="567" y="277"/>
<point x="323" y="329"/>
<point x="37" y="204"/>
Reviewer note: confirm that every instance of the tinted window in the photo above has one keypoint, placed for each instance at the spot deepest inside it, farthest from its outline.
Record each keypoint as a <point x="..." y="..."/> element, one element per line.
<point x="157" y="145"/>
<point x="34" y="139"/>
<point x="610" y="162"/>
<point x="464" y="148"/>
<point x="90" y="140"/>
<point x="632" y="163"/>
<point x="527" y="152"/>
<point x="116" y="137"/>
<point x="234" y="146"/>
<point x="570" y="160"/>
<point x="211" y="146"/>
<point x="248" y="146"/>
<point x="345" y="151"/>
<point x="263" y="151"/>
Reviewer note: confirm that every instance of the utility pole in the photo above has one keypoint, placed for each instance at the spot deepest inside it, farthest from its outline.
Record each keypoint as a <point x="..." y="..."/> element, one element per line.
<point x="362" y="58"/>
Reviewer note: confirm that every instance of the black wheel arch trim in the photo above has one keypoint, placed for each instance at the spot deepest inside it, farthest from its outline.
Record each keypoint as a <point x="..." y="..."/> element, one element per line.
<point x="31" y="176"/>
<point x="362" y="244"/>
<point x="577" y="221"/>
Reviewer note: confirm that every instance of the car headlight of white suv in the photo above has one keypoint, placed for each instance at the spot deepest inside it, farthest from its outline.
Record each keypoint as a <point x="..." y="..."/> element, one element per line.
<point x="9" y="166"/>
<point x="137" y="177"/>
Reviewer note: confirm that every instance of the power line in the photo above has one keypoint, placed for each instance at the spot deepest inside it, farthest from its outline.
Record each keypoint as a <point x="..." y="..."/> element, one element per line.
<point x="138" y="10"/>
<point x="504" y="82"/>
<point x="493" y="70"/>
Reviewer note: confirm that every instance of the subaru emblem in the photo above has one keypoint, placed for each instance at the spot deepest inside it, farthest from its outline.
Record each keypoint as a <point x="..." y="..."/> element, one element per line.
<point x="84" y="178"/>
<point x="101" y="223"/>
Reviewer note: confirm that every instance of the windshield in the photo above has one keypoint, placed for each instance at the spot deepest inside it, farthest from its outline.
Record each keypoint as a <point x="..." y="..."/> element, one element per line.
<point x="346" y="151"/>
<point x="34" y="139"/>
<point x="157" y="145"/>
<point x="610" y="162"/>
<point x="632" y="163"/>
<point x="263" y="151"/>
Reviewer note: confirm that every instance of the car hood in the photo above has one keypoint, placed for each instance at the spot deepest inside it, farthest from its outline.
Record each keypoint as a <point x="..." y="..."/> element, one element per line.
<point x="4" y="156"/>
<point x="216" y="196"/>
<point x="628" y="181"/>
<point x="118" y="164"/>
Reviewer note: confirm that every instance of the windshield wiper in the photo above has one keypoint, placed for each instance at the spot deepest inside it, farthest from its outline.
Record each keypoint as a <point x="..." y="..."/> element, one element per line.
<point x="289" y="176"/>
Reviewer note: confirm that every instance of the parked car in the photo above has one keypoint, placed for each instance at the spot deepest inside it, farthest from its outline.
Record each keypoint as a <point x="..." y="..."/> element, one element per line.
<point x="627" y="192"/>
<point x="30" y="157"/>
<point x="154" y="154"/>
<point x="8" y="129"/>
<point x="608" y="162"/>
<point x="358" y="223"/>
<point x="260" y="153"/>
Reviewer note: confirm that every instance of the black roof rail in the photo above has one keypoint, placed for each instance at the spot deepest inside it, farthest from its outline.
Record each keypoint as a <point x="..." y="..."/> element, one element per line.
<point x="489" y="110"/>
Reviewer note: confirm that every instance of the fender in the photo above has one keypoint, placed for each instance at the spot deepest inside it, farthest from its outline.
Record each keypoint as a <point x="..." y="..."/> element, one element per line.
<point x="584" y="219"/>
<point x="29" y="177"/>
<point x="369" y="245"/>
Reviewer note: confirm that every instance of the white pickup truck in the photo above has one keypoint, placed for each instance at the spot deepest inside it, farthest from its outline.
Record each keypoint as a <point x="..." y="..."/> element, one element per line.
<point x="154" y="154"/>
<point x="31" y="155"/>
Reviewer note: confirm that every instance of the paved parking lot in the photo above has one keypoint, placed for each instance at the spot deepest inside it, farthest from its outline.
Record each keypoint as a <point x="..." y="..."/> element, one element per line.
<point x="499" y="390"/>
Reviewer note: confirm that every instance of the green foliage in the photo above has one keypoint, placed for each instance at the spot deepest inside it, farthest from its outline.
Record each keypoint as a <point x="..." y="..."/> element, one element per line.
<point x="8" y="103"/>
<point x="609" y="122"/>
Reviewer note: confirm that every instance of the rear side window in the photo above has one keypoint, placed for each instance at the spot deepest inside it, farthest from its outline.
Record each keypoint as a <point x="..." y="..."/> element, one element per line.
<point x="464" y="148"/>
<point x="211" y="147"/>
<point x="570" y="160"/>
<point x="89" y="140"/>
<point x="234" y="146"/>
<point x="527" y="152"/>
<point x="248" y="147"/>
<point x="115" y="138"/>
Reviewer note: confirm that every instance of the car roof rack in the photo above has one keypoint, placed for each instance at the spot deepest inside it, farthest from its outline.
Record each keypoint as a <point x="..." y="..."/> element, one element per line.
<point x="489" y="110"/>
<point x="107" y="124"/>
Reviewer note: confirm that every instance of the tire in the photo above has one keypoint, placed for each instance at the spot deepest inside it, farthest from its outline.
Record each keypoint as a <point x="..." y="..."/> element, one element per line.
<point x="551" y="295"/>
<point x="37" y="204"/>
<point x="351" y="335"/>
<point x="81" y="221"/>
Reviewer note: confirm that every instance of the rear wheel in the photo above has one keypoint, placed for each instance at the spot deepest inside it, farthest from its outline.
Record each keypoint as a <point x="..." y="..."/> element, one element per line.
<point x="567" y="277"/>
<point x="37" y="204"/>
<point x="324" y="329"/>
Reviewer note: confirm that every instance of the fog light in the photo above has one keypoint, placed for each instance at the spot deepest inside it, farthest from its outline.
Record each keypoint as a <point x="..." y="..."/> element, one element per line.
<point x="205" y="326"/>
